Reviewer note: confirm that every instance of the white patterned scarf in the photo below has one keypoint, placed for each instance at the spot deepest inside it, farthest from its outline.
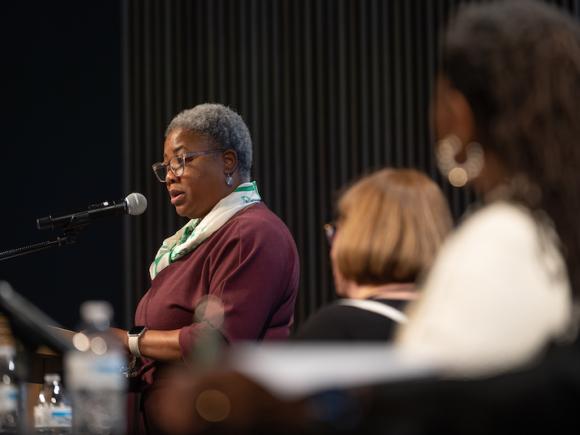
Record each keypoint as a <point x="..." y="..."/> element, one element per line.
<point x="192" y="234"/>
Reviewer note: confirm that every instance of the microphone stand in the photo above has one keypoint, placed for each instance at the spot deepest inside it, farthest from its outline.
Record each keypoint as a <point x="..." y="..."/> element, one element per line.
<point x="69" y="236"/>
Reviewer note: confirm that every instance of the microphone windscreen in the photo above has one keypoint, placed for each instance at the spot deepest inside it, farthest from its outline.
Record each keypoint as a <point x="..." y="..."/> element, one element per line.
<point x="136" y="204"/>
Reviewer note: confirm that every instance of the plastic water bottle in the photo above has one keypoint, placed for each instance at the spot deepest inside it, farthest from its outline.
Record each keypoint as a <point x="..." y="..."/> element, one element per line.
<point x="94" y="374"/>
<point x="8" y="392"/>
<point x="52" y="413"/>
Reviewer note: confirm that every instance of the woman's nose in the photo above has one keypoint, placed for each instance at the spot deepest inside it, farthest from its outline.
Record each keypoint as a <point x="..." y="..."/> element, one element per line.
<point x="170" y="177"/>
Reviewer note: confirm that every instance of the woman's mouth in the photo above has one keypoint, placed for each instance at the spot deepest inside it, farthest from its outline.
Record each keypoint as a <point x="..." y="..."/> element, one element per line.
<point x="177" y="197"/>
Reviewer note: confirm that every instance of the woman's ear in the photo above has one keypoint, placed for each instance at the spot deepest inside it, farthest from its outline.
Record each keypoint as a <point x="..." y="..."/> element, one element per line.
<point x="452" y="114"/>
<point x="230" y="159"/>
<point x="462" y="116"/>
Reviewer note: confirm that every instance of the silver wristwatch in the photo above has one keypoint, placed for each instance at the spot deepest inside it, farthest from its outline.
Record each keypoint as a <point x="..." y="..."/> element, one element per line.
<point x="133" y="335"/>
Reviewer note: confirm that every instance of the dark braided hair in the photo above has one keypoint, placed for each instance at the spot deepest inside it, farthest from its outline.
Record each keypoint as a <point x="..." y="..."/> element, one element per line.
<point x="518" y="65"/>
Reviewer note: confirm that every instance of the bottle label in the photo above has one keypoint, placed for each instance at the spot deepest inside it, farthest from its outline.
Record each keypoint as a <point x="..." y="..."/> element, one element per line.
<point x="8" y="398"/>
<point x="60" y="416"/>
<point x="46" y="416"/>
<point x="85" y="370"/>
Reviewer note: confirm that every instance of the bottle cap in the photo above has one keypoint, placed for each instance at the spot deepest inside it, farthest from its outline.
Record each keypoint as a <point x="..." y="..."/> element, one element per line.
<point x="97" y="312"/>
<point x="7" y="351"/>
<point x="52" y="377"/>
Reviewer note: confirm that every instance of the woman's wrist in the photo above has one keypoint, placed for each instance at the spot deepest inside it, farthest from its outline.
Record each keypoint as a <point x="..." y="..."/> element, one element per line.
<point x="121" y="335"/>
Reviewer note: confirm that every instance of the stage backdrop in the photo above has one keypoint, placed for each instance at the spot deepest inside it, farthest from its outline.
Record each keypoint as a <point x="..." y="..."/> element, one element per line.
<point x="330" y="89"/>
<point x="61" y="149"/>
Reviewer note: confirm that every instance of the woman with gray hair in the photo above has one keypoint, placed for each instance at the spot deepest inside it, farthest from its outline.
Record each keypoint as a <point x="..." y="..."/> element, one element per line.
<point x="233" y="250"/>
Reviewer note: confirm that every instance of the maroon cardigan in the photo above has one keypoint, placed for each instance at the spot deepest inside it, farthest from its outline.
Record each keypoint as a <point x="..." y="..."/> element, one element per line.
<point x="250" y="263"/>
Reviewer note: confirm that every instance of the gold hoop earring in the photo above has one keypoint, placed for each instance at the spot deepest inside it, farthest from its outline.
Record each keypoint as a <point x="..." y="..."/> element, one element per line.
<point x="459" y="174"/>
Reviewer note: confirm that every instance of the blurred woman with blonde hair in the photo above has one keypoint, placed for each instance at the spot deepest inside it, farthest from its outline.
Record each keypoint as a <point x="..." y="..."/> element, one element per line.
<point x="389" y="228"/>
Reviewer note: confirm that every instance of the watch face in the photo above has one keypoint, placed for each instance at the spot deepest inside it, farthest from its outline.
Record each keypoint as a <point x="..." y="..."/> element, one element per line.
<point x="136" y="330"/>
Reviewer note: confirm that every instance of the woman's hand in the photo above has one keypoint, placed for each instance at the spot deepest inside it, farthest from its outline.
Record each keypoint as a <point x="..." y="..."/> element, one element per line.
<point x="121" y="335"/>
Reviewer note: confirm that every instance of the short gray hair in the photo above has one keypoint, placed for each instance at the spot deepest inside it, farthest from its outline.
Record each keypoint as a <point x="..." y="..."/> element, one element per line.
<point x="221" y="124"/>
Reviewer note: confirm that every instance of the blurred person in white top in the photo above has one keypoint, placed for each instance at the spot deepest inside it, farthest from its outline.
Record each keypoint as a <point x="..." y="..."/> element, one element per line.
<point x="505" y="114"/>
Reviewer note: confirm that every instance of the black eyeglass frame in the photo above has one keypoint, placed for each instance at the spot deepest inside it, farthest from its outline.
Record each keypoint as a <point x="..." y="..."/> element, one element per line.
<point x="177" y="164"/>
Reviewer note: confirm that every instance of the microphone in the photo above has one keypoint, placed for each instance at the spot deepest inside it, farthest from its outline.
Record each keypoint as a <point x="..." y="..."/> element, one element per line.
<point x="134" y="204"/>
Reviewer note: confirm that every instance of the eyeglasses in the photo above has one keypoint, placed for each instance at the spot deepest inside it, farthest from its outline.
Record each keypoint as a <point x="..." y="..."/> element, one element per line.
<point x="177" y="163"/>
<point x="329" y="231"/>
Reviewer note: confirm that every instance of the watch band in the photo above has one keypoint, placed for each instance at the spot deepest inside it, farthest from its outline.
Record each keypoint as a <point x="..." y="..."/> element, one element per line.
<point x="133" y="342"/>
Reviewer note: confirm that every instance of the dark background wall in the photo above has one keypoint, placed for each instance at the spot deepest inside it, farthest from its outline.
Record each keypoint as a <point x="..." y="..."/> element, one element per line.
<point x="61" y="148"/>
<point x="330" y="89"/>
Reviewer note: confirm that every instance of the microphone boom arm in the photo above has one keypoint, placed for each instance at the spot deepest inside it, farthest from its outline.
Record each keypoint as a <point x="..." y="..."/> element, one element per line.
<point x="134" y="204"/>
<point x="70" y="234"/>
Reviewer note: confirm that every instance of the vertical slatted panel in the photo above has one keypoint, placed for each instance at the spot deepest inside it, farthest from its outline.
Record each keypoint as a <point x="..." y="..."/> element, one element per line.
<point x="330" y="89"/>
